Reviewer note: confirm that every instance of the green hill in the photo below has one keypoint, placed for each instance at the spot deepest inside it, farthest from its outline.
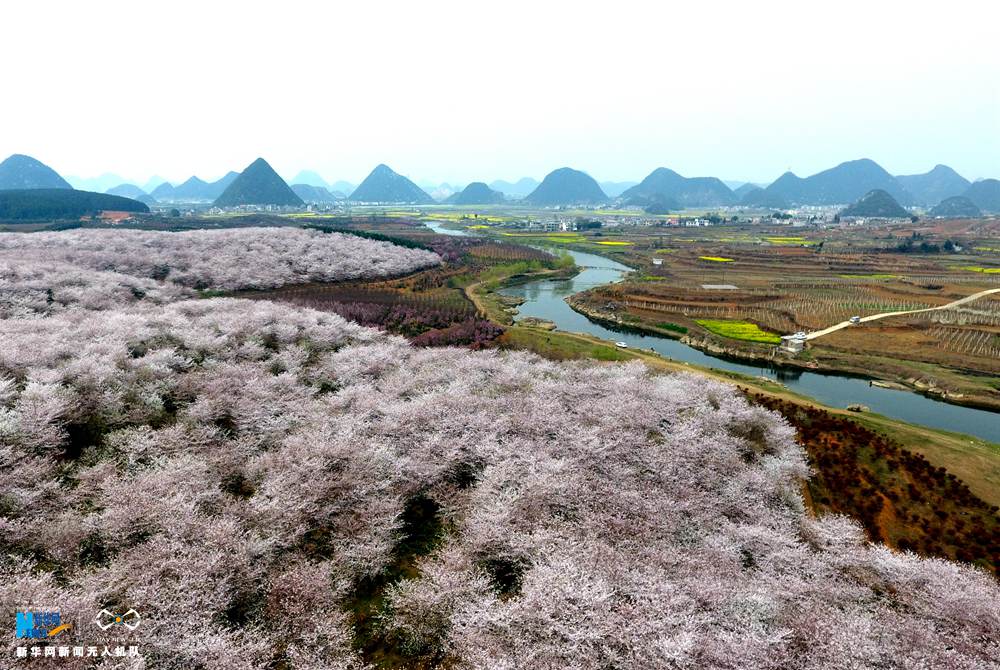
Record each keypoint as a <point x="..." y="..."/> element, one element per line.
<point x="24" y="172"/>
<point x="126" y="191"/>
<point x="876" y="204"/>
<point x="687" y="191"/>
<point x="314" y="194"/>
<point x="846" y="182"/>
<point x="59" y="203"/>
<point x="985" y="194"/>
<point x="957" y="206"/>
<point x="517" y="190"/>
<point x="258" y="184"/>
<point x="476" y="193"/>
<point x="758" y="197"/>
<point x="384" y="185"/>
<point x="932" y="187"/>
<point x="567" y="186"/>
<point x="194" y="189"/>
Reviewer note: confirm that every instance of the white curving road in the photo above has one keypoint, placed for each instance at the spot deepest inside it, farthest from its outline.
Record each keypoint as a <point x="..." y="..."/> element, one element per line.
<point x="884" y="315"/>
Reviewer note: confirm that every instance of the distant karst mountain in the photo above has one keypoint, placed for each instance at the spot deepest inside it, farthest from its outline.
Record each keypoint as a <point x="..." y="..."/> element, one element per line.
<point x="194" y="189"/>
<point x="258" y="184"/>
<point x="61" y="203"/>
<point x="616" y="188"/>
<point x="758" y="197"/>
<point x="743" y="189"/>
<point x="957" y="206"/>
<point x="659" y="204"/>
<point x="384" y="185"/>
<point x="518" y="189"/>
<point x="21" y="172"/>
<point x="688" y="192"/>
<point x="152" y="183"/>
<point x="844" y="183"/>
<point x="877" y="204"/>
<point x="343" y="187"/>
<point x="126" y="191"/>
<point x="308" y="178"/>
<point x="935" y="186"/>
<point x="164" y="192"/>
<point x="476" y="193"/>
<point x="566" y="186"/>
<point x="318" y="195"/>
<point x="985" y="194"/>
<point x="99" y="184"/>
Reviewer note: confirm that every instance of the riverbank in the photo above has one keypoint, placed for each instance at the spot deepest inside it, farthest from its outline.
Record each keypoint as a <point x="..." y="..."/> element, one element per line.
<point x="773" y="358"/>
<point x="922" y="425"/>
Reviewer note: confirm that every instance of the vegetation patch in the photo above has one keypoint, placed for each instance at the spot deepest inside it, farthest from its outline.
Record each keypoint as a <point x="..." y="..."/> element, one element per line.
<point x="715" y="259"/>
<point x="739" y="330"/>
<point x="976" y="268"/>
<point x="666" y="325"/>
<point x="900" y="498"/>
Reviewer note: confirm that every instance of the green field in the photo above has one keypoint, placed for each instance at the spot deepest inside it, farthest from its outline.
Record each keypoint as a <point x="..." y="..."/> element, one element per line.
<point x="739" y="330"/>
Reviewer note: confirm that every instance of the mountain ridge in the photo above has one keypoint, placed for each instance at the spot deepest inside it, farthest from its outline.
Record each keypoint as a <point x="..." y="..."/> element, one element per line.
<point x="383" y="184"/>
<point x="686" y="191"/>
<point x="258" y="184"/>
<point x="19" y="172"/>
<point x="566" y="186"/>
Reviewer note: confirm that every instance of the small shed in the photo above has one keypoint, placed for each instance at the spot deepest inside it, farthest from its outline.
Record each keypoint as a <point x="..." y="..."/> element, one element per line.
<point x="793" y="343"/>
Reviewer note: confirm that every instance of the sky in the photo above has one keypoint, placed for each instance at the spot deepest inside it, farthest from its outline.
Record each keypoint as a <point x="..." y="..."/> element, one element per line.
<point x="463" y="91"/>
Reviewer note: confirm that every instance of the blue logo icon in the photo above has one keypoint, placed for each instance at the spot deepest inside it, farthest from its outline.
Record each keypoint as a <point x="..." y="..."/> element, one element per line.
<point x="39" y="624"/>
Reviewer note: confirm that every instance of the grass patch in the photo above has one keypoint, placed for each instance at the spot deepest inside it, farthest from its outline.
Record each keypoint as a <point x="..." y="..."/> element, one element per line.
<point x="976" y="268"/>
<point x="739" y="330"/>
<point x="666" y="325"/>
<point x="715" y="259"/>
<point x="557" y="346"/>
<point x="615" y="243"/>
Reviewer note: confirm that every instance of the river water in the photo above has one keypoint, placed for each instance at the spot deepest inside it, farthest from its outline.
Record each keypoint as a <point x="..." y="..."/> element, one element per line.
<point x="546" y="300"/>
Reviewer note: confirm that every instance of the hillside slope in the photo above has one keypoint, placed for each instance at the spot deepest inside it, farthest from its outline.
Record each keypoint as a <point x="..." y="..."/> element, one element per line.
<point x="689" y="192"/>
<point x="476" y="193"/>
<point x="258" y="184"/>
<point x="957" y="206"/>
<point x="566" y="186"/>
<point x="932" y="187"/>
<point x="876" y="204"/>
<point x="985" y="194"/>
<point x="57" y="203"/>
<point x="314" y="194"/>
<point x="18" y="171"/>
<point x="384" y="185"/>
<point x="842" y="184"/>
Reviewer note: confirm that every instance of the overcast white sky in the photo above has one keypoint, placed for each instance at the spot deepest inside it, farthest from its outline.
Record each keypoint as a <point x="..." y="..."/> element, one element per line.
<point x="461" y="91"/>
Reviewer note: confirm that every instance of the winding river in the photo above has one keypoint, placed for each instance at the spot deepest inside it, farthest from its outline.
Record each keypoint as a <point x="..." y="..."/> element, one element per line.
<point x="545" y="299"/>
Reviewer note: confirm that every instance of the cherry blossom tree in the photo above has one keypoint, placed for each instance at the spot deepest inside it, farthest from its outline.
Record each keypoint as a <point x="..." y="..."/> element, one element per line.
<point x="275" y="486"/>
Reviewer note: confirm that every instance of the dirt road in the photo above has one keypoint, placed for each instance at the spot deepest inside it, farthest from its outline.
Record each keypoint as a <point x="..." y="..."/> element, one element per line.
<point x="875" y="317"/>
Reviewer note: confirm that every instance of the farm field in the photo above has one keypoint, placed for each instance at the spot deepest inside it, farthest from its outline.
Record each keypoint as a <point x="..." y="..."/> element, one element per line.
<point x="778" y="283"/>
